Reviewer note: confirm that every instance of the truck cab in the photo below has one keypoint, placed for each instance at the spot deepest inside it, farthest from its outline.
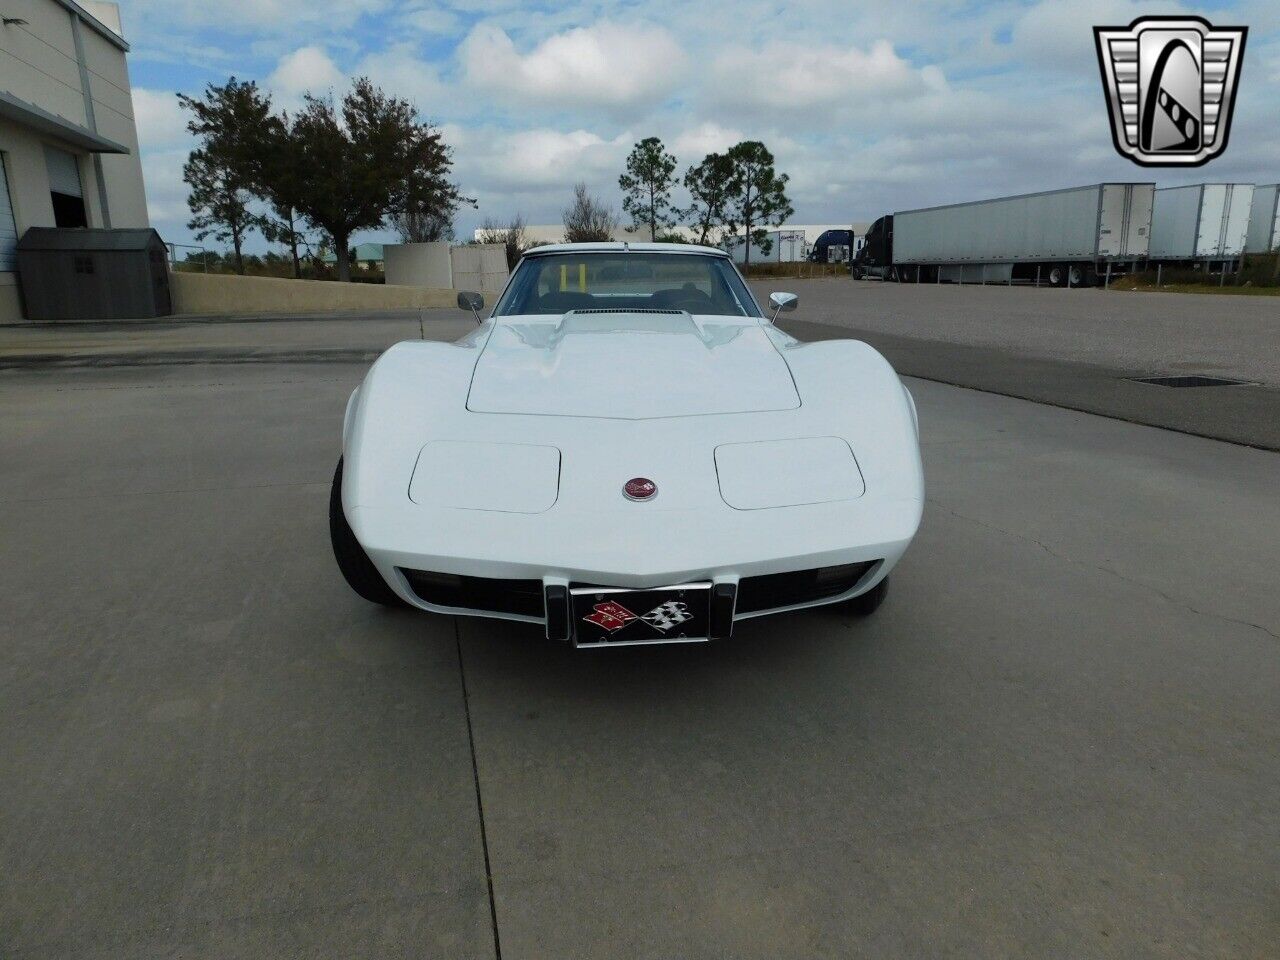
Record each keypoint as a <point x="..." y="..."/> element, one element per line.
<point x="875" y="259"/>
<point x="832" y="246"/>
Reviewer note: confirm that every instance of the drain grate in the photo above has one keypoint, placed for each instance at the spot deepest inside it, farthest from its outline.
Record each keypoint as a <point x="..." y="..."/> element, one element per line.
<point x="1189" y="381"/>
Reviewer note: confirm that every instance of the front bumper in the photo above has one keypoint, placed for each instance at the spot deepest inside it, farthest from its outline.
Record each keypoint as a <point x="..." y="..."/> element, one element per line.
<point x="482" y="557"/>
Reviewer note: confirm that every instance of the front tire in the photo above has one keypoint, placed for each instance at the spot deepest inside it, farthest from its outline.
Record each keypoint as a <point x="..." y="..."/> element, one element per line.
<point x="868" y="603"/>
<point x="357" y="569"/>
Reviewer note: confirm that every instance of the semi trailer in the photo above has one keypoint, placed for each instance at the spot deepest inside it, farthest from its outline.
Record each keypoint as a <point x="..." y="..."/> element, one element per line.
<point x="1201" y="224"/>
<point x="1072" y="237"/>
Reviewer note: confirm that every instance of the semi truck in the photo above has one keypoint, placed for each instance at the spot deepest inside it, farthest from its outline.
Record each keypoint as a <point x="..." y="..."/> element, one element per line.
<point x="1071" y="237"/>
<point x="1204" y="224"/>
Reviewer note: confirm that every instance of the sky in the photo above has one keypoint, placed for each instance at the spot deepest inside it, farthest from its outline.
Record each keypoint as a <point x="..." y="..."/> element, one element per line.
<point x="868" y="107"/>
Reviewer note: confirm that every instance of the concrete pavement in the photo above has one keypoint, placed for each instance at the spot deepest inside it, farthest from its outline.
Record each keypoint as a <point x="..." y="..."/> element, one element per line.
<point x="1056" y="738"/>
<point x="1080" y="349"/>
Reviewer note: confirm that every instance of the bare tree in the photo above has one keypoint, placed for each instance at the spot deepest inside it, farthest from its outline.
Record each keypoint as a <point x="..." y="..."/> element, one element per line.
<point x="422" y="226"/>
<point x="510" y="235"/>
<point x="587" y="219"/>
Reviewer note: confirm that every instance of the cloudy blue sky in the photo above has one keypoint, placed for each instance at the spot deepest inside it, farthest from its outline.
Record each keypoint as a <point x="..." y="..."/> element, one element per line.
<point x="868" y="106"/>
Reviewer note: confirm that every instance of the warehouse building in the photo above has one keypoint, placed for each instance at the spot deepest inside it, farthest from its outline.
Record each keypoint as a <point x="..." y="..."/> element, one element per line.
<point x="68" y="145"/>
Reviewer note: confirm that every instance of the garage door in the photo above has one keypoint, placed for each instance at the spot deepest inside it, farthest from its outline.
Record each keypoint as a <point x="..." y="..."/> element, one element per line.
<point x="8" y="228"/>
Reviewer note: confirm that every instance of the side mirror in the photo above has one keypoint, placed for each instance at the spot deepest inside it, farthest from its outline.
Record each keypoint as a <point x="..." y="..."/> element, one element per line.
<point x="783" y="302"/>
<point x="471" y="301"/>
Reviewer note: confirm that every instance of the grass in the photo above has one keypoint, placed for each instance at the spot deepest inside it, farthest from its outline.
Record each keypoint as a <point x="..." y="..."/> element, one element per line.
<point x="1145" y="286"/>
<point x="799" y="270"/>
<point x="1259" y="276"/>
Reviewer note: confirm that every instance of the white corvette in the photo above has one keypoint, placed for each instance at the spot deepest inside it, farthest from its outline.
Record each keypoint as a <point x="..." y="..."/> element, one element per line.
<point x="627" y="451"/>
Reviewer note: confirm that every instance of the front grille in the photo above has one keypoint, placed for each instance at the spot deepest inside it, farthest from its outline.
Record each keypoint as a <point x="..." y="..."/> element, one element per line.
<point x="775" y="590"/>
<point x="520" y="597"/>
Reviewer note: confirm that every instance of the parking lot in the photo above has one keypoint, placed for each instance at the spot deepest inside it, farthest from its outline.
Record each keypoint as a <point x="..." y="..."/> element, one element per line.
<point x="1057" y="738"/>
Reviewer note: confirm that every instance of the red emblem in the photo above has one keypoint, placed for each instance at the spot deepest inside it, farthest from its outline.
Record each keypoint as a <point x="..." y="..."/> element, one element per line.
<point x="610" y="616"/>
<point x="639" y="488"/>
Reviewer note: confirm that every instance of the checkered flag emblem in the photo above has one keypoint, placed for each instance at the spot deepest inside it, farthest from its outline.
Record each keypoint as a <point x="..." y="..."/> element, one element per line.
<point x="667" y="615"/>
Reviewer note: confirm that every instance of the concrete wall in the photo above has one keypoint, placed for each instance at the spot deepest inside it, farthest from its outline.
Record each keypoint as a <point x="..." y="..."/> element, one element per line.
<point x="478" y="267"/>
<point x="215" y="293"/>
<point x="481" y="268"/>
<point x="417" y="264"/>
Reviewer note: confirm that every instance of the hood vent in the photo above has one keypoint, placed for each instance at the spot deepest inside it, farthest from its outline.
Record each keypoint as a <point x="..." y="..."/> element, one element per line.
<point x="578" y="313"/>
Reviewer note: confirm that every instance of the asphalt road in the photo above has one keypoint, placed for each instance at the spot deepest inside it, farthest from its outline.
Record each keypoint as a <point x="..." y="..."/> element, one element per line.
<point x="1057" y="738"/>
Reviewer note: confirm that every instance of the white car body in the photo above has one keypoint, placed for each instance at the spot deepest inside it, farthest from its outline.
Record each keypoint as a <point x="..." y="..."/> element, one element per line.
<point x="503" y="455"/>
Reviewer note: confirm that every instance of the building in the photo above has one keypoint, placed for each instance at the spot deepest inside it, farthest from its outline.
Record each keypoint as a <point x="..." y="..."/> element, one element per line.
<point x="368" y="254"/>
<point x="68" y="145"/>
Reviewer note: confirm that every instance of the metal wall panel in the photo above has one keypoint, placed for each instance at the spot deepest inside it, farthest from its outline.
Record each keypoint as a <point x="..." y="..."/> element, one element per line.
<point x="1137" y="239"/>
<point x="1213" y="213"/>
<point x="1058" y="225"/>
<point x="1236" y="227"/>
<point x="1200" y="221"/>
<point x="1263" y="235"/>
<point x="1175" y="220"/>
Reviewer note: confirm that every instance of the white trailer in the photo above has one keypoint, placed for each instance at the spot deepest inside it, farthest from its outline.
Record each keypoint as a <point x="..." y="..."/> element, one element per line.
<point x="1060" y="237"/>
<point x="1201" y="223"/>
<point x="785" y="246"/>
<point x="1264" y="224"/>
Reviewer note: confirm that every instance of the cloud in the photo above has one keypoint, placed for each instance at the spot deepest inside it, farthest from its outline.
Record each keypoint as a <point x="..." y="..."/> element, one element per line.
<point x="805" y="83"/>
<point x="160" y="120"/>
<point x="400" y="71"/>
<point x="605" y="64"/>
<point x="534" y="160"/>
<point x="691" y="145"/>
<point x="434" y="20"/>
<point x="305" y="70"/>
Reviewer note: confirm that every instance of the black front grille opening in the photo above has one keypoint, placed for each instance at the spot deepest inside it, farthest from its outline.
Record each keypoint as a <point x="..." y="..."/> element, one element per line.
<point x="775" y="590"/>
<point x="519" y="597"/>
<point x="1195" y="380"/>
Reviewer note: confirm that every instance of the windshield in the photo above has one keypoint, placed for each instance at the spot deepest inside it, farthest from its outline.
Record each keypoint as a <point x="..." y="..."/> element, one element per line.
<point x="560" y="282"/>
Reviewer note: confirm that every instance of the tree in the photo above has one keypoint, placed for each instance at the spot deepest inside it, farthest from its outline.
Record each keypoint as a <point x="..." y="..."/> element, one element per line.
<point x="510" y="235"/>
<point x="282" y="181"/>
<point x="424" y="212"/>
<point x="422" y="226"/>
<point x="364" y="162"/>
<point x="646" y="186"/>
<point x="709" y="185"/>
<point x="587" y="219"/>
<point x="758" y="195"/>
<point x="232" y="125"/>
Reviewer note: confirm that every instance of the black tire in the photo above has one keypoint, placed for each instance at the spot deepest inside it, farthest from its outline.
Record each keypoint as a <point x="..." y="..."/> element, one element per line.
<point x="1056" y="275"/>
<point x="357" y="569"/>
<point x="868" y="603"/>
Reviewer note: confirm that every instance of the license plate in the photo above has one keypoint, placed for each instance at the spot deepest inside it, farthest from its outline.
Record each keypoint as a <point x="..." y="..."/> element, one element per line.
<point x="607" y="616"/>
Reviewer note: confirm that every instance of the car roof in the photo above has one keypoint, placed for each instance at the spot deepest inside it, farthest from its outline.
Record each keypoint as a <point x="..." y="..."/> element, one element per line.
<point x="623" y="246"/>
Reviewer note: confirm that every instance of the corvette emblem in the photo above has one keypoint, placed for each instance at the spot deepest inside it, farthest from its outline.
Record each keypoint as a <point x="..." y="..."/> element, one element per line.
<point x="639" y="488"/>
<point x="610" y="616"/>
<point x="1171" y="88"/>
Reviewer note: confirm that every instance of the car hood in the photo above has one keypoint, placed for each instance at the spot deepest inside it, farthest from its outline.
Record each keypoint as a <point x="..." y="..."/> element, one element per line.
<point x="631" y="366"/>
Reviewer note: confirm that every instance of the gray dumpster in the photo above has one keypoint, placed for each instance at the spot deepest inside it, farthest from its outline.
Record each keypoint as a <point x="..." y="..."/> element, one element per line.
<point x="88" y="274"/>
